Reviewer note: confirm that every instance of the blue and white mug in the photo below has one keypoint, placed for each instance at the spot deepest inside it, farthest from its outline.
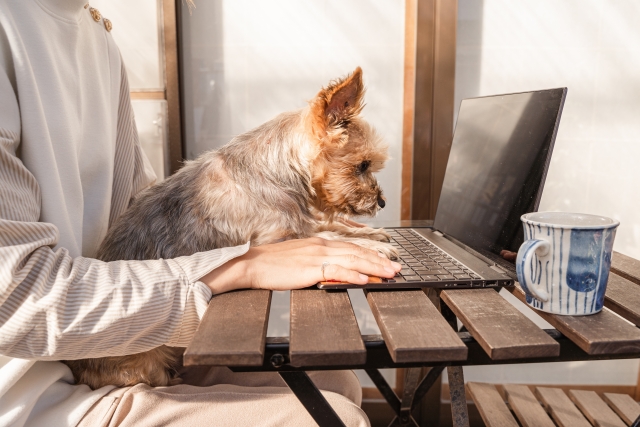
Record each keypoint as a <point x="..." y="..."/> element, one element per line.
<point x="563" y="265"/>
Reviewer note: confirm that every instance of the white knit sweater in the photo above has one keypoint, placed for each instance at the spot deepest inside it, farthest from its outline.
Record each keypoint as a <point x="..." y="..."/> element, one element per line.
<point x="70" y="162"/>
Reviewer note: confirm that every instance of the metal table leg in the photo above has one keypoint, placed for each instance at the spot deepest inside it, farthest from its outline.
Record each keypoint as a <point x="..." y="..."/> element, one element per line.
<point x="311" y="398"/>
<point x="427" y="382"/>
<point x="385" y="389"/>
<point x="413" y="391"/>
<point x="411" y="383"/>
<point x="458" y="397"/>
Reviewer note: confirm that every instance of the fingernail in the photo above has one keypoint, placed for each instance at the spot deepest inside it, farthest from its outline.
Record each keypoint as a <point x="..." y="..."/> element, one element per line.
<point x="381" y="255"/>
<point x="363" y="277"/>
<point x="388" y="270"/>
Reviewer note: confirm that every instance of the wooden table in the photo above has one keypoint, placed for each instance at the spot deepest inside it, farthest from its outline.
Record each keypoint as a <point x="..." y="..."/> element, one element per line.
<point x="416" y="331"/>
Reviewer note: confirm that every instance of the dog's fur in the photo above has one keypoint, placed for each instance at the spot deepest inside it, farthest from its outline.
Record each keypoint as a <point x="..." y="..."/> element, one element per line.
<point x="293" y="177"/>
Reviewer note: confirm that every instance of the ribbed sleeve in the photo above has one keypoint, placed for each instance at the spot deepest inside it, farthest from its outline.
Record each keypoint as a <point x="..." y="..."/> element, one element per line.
<point x="55" y="306"/>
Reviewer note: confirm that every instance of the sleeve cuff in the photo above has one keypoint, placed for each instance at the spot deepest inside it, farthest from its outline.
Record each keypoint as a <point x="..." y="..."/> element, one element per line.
<point x="194" y="296"/>
<point x="198" y="265"/>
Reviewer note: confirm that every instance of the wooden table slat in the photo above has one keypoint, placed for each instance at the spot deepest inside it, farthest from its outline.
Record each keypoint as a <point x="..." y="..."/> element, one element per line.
<point x="232" y="331"/>
<point x="324" y="330"/>
<point x="625" y="266"/>
<point x="526" y="406"/>
<point x="413" y="328"/>
<point x="624" y="405"/>
<point x="493" y="410"/>
<point x="502" y="331"/>
<point x="595" y="409"/>
<point x="623" y="297"/>
<point x="562" y="410"/>
<point x="600" y="333"/>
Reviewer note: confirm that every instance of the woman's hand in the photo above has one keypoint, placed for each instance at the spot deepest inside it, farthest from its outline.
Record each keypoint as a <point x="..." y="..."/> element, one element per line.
<point x="296" y="264"/>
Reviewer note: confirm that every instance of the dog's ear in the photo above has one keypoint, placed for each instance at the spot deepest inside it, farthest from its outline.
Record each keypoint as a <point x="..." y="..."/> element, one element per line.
<point x="335" y="105"/>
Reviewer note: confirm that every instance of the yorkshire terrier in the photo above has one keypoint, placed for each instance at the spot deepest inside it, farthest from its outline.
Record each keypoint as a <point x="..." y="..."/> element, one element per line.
<point x="298" y="175"/>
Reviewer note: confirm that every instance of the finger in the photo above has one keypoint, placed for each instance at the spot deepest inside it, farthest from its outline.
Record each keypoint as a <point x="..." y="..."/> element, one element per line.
<point x="311" y="244"/>
<point x="320" y="246"/>
<point x="364" y="266"/>
<point x="342" y="274"/>
<point x="316" y="246"/>
<point x="347" y="245"/>
<point x="368" y="254"/>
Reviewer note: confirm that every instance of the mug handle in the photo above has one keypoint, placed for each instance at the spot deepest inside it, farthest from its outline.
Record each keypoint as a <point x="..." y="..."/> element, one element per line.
<point x="526" y="276"/>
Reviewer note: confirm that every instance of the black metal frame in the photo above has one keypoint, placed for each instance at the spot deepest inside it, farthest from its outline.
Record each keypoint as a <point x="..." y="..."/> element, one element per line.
<point x="378" y="357"/>
<point x="413" y="392"/>
<point x="311" y="398"/>
<point x="277" y="356"/>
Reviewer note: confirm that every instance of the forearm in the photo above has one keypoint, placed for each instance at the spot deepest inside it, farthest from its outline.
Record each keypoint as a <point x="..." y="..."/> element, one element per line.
<point x="57" y="307"/>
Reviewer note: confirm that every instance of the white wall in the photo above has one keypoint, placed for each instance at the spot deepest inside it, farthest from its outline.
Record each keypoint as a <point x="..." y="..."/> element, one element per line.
<point x="591" y="47"/>
<point x="247" y="61"/>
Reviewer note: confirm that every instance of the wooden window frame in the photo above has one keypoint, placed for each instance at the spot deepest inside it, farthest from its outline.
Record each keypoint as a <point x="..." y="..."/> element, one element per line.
<point x="168" y="14"/>
<point x="429" y="84"/>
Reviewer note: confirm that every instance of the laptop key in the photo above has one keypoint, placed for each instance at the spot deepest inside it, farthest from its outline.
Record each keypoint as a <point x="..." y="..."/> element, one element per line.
<point x="462" y="276"/>
<point x="438" y="272"/>
<point x="415" y="278"/>
<point x="454" y="271"/>
<point x="429" y="277"/>
<point x="445" y="277"/>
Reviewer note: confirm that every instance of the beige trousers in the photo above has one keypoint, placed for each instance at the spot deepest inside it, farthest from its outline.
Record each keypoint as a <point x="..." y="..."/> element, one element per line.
<point x="220" y="397"/>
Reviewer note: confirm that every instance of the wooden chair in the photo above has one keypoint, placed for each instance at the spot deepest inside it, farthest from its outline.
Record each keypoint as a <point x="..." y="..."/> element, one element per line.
<point x="550" y="407"/>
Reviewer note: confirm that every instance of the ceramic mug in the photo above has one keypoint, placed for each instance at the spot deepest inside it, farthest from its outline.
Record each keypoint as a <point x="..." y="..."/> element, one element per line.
<point x="563" y="265"/>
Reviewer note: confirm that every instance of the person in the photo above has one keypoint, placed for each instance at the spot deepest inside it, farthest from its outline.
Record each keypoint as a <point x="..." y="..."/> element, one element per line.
<point x="70" y="163"/>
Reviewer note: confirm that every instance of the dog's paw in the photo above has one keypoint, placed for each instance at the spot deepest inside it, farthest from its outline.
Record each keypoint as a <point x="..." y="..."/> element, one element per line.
<point x="378" y="234"/>
<point x="384" y="248"/>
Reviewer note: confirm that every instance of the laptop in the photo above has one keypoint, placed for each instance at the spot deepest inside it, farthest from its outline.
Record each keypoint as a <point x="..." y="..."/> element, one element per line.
<point x="496" y="170"/>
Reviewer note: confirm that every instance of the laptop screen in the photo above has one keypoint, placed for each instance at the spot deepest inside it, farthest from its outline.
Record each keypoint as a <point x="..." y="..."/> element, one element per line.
<point x="497" y="165"/>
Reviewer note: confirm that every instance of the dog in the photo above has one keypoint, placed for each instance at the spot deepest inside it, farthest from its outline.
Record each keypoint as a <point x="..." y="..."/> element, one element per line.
<point x="298" y="175"/>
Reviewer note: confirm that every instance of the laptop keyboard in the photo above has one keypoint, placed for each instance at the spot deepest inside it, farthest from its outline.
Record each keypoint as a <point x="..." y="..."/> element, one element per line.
<point x="421" y="260"/>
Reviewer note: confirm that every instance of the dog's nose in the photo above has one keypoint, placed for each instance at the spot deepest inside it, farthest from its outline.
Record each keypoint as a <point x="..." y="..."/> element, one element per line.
<point x="381" y="202"/>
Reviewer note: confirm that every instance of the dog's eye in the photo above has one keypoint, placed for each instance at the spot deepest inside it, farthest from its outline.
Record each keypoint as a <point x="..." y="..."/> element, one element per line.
<point x="362" y="167"/>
